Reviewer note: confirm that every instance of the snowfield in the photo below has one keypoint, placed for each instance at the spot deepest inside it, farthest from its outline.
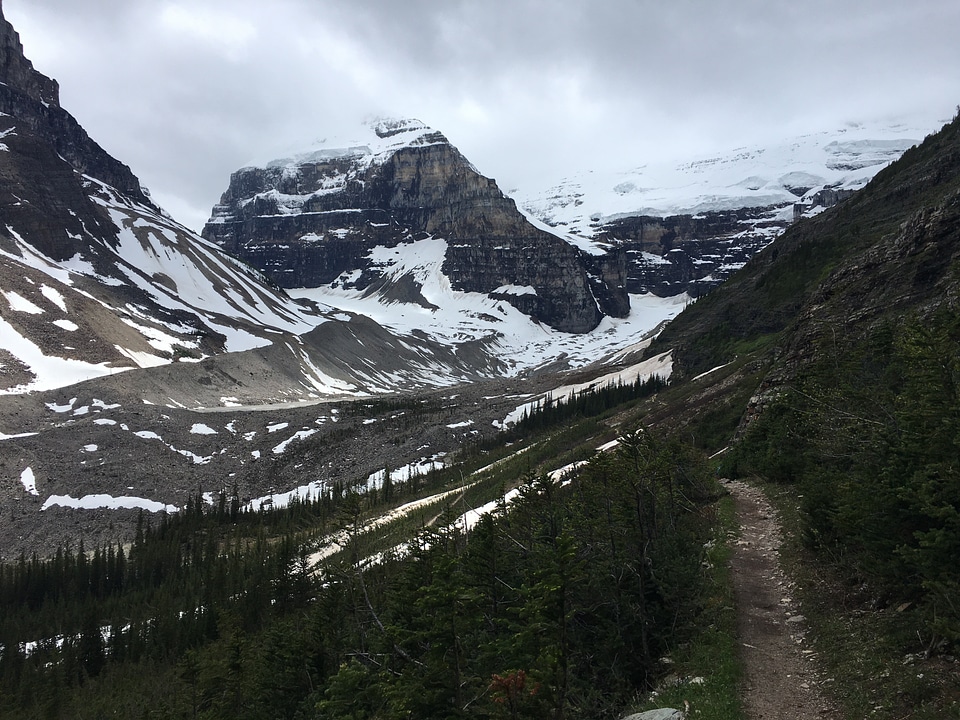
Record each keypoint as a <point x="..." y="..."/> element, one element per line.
<point x="456" y="318"/>
<point x="747" y="177"/>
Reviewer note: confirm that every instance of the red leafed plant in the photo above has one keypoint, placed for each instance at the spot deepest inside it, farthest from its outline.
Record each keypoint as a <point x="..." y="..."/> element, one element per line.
<point x="511" y="689"/>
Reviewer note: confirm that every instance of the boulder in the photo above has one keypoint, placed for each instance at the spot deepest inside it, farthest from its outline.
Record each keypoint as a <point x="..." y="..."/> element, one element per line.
<point x="658" y="714"/>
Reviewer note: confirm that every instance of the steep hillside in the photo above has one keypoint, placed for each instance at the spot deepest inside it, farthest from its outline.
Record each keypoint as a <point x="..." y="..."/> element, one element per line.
<point x="94" y="277"/>
<point x="886" y="251"/>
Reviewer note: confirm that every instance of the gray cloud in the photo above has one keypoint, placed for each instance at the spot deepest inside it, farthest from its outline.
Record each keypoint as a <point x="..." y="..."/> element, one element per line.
<point x="187" y="92"/>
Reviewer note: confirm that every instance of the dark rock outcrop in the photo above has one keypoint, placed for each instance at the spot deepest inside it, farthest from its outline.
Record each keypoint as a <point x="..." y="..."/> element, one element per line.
<point x="689" y="254"/>
<point x="18" y="72"/>
<point x="313" y="220"/>
<point x="34" y="99"/>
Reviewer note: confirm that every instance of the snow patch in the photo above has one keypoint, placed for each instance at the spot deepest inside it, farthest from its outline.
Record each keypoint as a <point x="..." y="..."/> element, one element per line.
<point x="659" y="365"/>
<point x="201" y="429"/>
<point x="93" y="502"/>
<point x="19" y="303"/>
<point x="54" y="296"/>
<point x="465" y="423"/>
<point x="300" y="435"/>
<point x="197" y="459"/>
<point x="4" y="436"/>
<point x="406" y="472"/>
<point x="29" y="481"/>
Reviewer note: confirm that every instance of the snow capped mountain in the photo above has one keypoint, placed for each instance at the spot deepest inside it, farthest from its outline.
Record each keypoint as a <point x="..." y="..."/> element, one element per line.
<point x="686" y="226"/>
<point x="774" y="176"/>
<point x="373" y="143"/>
<point x="311" y="220"/>
<point x="95" y="280"/>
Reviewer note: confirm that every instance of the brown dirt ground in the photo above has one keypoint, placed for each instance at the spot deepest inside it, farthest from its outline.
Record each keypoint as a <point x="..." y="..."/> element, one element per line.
<point x="781" y="681"/>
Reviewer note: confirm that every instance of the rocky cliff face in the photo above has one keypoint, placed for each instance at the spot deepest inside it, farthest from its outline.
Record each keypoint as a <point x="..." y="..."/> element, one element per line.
<point x="312" y="220"/>
<point x="18" y="72"/>
<point x="34" y="100"/>
<point x="689" y="254"/>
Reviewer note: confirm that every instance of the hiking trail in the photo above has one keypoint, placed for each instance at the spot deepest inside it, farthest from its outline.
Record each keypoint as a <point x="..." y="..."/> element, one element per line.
<point x="781" y="681"/>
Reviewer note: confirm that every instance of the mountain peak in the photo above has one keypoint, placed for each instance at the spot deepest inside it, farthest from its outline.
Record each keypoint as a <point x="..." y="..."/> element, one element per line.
<point x="18" y="72"/>
<point x="33" y="100"/>
<point x="316" y="219"/>
<point x="390" y="127"/>
<point x="374" y="141"/>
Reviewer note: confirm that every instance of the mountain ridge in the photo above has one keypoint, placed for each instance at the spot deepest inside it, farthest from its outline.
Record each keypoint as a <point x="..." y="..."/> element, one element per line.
<point x="35" y="99"/>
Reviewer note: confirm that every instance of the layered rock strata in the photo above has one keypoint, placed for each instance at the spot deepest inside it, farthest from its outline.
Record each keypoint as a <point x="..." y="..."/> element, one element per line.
<point x="312" y="220"/>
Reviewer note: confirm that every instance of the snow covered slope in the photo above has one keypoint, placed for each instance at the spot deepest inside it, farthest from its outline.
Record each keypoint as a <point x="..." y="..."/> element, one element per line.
<point x="688" y="224"/>
<point x="146" y="294"/>
<point x="477" y="323"/>
<point x="771" y="176"/>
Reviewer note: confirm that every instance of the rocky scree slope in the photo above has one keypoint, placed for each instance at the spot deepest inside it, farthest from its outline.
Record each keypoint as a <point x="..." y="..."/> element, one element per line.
<point x="82" y="462"/>
<point x="313" y="220"/>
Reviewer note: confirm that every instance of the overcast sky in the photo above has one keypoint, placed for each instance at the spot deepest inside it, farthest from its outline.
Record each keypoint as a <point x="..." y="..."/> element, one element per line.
<point x="187" y="91"/>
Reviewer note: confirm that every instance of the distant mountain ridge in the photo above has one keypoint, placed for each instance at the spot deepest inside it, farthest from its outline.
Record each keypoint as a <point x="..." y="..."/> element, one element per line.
<point x="686" y="226"/>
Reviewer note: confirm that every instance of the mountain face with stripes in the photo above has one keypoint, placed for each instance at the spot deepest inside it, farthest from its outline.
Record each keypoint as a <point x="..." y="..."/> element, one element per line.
<point x="317" y="219"/>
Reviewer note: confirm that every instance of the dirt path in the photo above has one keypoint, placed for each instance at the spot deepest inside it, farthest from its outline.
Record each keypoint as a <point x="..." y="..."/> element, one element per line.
<point x="780" y="681"/>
